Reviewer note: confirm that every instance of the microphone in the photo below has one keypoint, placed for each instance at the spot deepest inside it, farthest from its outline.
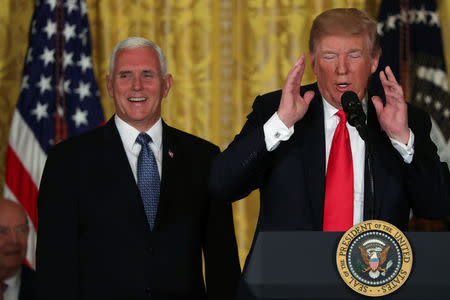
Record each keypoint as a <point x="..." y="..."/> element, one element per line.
<point x="357" y="118"/>
<point x="354" y="112"/>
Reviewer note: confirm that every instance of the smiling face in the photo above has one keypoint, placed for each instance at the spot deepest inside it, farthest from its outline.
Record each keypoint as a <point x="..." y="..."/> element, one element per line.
<point x="343" y="63"/>
<point x="13" y="238"/>
<point x="138" y="87"/>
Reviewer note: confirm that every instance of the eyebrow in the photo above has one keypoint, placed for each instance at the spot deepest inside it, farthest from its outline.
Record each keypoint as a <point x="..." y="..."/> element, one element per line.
<point x="149" y="72"/>
<point x="143" y="71"/>
<point x="124" y="72"/>
<point x="354" y="50"/>
<point x="13" y="227"/>
<point x="328" y="52"/>
<point x="335" y="52"/>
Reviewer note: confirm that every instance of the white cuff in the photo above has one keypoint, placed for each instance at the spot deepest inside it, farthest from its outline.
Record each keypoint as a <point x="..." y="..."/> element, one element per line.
<point x="406" y="151"/>
<point x="275" y="131"/>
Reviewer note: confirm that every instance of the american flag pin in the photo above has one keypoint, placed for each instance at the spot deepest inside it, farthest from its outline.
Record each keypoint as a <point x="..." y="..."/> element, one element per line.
<point x="170" y="153"/>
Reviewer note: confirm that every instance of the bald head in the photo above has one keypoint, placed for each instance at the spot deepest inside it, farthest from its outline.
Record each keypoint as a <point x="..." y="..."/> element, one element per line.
<point x="9" y="207"/>
<point x="13" y="237"/>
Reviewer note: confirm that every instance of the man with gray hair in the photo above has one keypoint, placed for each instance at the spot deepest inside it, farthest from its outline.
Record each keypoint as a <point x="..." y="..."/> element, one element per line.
<point x="124" y="210"/>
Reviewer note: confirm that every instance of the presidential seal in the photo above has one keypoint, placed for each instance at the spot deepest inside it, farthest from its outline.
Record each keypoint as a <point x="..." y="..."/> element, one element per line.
<point x="374" y="258"/>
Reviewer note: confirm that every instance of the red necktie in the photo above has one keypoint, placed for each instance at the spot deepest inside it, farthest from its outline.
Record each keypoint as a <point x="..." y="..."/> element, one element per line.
<point x="338" y="210"/>
<point x="3" y="287"/>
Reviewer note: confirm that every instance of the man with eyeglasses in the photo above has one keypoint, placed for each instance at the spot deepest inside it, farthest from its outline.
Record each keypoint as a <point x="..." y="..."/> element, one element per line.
<point x="16" y="279"/>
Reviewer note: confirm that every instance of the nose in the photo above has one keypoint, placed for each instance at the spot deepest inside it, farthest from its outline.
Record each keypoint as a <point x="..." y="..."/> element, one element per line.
<point x="137" y="84"/>
<point x="15" y="238"/>
<point x="342" y="65"/>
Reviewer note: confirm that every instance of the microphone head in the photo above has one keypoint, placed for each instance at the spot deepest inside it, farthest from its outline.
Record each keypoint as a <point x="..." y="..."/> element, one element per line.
<point x="353" y="109"/>
<point x="349" y="101"/>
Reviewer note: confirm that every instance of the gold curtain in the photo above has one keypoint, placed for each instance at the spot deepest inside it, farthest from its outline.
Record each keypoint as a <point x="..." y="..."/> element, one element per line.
<point x="222" y="53"/>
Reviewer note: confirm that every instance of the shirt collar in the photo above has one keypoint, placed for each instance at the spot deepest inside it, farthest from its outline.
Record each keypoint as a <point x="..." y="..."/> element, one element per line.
<point x="330" y="111"/>
<point x="129" y="134"/>
<point x="14" y="281"/>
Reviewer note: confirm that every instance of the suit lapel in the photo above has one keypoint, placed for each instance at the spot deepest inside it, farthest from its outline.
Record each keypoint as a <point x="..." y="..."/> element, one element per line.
<point x="311" y="130"/>
<point x="381" y="147"/>
<point x="119" y="176"/>
<point x="169" y="158"/>
<point x="28" y="285"/>
<point x="369" y="205"/>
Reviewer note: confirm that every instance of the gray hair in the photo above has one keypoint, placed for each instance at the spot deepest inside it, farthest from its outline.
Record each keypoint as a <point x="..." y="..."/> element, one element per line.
<point x="138" y="42"/>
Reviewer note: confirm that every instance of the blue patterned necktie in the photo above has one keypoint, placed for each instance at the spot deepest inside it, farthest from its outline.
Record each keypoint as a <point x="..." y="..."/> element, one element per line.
<point x="148" y="178"/>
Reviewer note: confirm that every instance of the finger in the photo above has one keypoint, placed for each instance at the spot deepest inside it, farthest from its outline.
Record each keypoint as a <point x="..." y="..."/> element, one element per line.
<point x="386" y="79"/>
<point x="308" y="96"/>
<point x="390" y="74"/>
<point x="392" y="96"/>
<point x="391" y="88"/>
<point x="298" y="64"/>
<point x="391" y="85"/>
<point x="301" y="69"/>
<point x="295" y="75"/>
<point x="393" y="91"/>
<point x="300" y="60"/>
<point x="383" y="77"/>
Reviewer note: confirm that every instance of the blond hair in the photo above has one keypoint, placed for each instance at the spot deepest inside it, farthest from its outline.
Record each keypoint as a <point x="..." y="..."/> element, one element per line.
<point x="347" y="22"/>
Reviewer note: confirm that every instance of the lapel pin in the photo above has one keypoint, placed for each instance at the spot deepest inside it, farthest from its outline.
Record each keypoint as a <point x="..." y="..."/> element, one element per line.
<point x="170" y="153"/>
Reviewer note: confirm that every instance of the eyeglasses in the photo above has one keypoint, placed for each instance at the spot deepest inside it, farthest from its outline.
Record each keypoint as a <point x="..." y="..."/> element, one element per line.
<point x="19" y="230"/>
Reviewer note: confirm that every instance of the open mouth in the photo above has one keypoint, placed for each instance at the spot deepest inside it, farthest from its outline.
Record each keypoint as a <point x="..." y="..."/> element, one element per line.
<point x="137" y="99"/>
<point x="342" y="86"/>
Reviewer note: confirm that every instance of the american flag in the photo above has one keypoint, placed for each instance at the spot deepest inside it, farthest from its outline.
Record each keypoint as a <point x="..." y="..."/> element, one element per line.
<point x="411" y="40"/>
<point x="58" y="99"/>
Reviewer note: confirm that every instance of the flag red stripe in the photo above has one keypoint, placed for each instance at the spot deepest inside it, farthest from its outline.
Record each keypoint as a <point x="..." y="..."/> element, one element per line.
<point x="21" y="185"/>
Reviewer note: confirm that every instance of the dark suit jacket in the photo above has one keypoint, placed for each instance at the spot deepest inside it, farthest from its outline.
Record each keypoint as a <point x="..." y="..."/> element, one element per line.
<point x="94" y="241"/>
<point x="291" y="179"/>
<point x="28" y="288"/>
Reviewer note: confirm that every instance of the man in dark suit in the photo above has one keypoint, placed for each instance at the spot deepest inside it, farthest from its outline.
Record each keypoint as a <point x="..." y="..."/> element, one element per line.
<point x="97" y="239"/>
<point x="283" y="149"/>
<point x="17" y="281"/>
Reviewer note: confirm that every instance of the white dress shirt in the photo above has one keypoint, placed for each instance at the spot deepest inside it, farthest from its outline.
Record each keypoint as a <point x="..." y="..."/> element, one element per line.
<point x="275" y="131"/>
<point x="128" y="134"/>
<point x="13" y="282"/>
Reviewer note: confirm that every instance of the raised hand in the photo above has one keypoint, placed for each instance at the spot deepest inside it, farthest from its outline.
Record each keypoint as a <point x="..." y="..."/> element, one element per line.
<point x="292" y="106"/>
<point x="393" y="117"/>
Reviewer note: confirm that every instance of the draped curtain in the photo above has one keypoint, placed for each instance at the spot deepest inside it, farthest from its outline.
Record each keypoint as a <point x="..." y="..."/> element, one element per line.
<point x="221" y="53"/>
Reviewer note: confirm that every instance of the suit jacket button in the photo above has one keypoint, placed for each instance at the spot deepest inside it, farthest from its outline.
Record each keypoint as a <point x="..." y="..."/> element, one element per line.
<point x="151" y="250"/>
<point x="148" y="291"/>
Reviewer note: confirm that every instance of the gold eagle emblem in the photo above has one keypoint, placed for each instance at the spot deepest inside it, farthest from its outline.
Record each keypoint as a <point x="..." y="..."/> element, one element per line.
<point x="372" y="260"/>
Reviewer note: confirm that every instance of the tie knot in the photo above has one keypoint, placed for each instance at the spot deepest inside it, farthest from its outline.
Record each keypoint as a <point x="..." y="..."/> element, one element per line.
<point x="341" y="115"/>
<point x="143" y="139"/>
